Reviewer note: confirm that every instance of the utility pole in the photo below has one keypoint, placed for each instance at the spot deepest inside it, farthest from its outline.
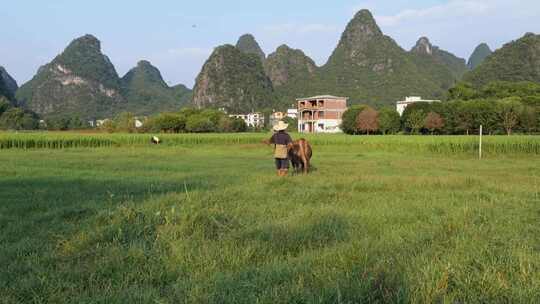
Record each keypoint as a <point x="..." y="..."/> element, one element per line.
<point x="480" y="146"/>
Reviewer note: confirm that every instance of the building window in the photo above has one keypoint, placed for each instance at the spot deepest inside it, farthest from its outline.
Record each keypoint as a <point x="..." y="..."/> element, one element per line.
<point x="321" y="115"/>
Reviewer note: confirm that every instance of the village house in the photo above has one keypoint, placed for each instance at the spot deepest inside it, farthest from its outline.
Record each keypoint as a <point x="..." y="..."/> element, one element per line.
<point x="321" y="114"/>
<point x="292" y="113"/>
<point x="138" y="123"/>
<point x="254" y="120"/>
<point x="101" y="122"/>
<point x="402" y="105"/>
<point x="276" y="117"/>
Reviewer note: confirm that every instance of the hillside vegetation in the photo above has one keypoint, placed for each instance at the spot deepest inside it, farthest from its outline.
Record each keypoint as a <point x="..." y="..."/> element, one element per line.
<point x="233" y="80"/>
<point x="366" y="66"/>
<point x="480" y="53"/>
<point x="82" y="82"/>
<point x="516" y="61"/>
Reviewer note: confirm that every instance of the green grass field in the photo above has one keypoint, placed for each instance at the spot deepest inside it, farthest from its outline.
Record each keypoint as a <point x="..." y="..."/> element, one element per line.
<point x="204" y="219"/>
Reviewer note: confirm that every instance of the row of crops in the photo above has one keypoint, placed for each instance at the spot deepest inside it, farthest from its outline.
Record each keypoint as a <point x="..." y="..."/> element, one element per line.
<point x="436" y="144"/>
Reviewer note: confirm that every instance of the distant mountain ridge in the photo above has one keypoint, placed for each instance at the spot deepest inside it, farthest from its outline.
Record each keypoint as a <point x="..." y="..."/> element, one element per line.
<point x="372" y="68"/>
<point x="83" y="82"/>
<point x="248" y="44"/>
<point x="480" y="53"/>
<point x="80" y="81"/>
<point x="518" y="60"/>
<point x="8" y="85"/>
<point x="147" y="93"/>
<point x="366" y="66"/>
<point x="457" y="66"/>
<point x="233" y="80"/>
<point x="291" y="73"/>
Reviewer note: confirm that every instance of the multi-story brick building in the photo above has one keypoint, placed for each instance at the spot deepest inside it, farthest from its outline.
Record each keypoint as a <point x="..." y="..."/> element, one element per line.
<point x="321" y="114"/>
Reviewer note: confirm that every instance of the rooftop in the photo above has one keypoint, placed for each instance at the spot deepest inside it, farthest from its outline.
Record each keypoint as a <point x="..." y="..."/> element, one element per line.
<point x="415" y="99"/>
<point x="322" y="97"/>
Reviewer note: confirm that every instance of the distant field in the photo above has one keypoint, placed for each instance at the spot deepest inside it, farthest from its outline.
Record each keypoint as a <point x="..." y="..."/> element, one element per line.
<point x="109" y="218"/>
<point x="438" y="144"/>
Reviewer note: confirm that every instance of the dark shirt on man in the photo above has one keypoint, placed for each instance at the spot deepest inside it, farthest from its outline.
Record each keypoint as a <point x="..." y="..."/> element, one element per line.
<point x="281" y="138"/>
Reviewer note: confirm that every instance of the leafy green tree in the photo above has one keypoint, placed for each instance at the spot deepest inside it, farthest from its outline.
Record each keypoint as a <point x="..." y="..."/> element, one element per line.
<point x="168" y="122"/>
<point x="348" y="124"/>
<point x="464" y="117"/>
<point x="215" y="116"/>
<point x="200" y="124"/>
<point x="58" y="123"/>
<point x="509" y="111"/>
<point x="188" y="111"/>
<point x="462" y="91"/>
<point x="77" y="123"/>
<point x="108" y="126"/>
<point x="415" y="121"/>
<point x="125" y="122"/>
<point x="530" y="119"/>
<point x="18" y="119"/>
<point x="238" y="125"/>
<point x="484" y="114"/>
<point x="4" y="105"/>
<point x="389" y="120"/>
<point x="224" y="125"/>
<point x="424" y="107"/>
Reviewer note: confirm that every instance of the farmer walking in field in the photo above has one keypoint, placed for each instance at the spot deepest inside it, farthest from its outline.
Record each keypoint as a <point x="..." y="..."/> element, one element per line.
<point x="281" y="139"/>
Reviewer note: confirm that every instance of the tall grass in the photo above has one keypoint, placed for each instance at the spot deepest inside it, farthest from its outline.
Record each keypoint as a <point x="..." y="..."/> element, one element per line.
<point x="434" y="144"/>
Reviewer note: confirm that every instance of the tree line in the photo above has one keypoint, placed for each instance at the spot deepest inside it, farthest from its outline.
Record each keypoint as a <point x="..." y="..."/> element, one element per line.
<point x="187" y="120"/>
<point x="14" y="118"/>
<point x="500" y="107"/>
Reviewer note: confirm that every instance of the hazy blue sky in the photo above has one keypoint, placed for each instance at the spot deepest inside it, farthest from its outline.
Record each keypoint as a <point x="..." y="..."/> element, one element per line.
<point x="178" y="36"/>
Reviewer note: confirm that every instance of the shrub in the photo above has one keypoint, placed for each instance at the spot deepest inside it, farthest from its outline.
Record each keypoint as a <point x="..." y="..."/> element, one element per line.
<point x="509" y="110"/>
<point x="125" y="122"/>
<point x="169" y="122"/>
<point x="200" y="124"/>
<point x="389" y="120"/>
<point x="238" y="125"/>
<point x="348" y="124"/>
<point x="18" y="119"/>
<point x="415" y="121"/>
<point x="433" y="122"/>
<point x="367" y="120"/>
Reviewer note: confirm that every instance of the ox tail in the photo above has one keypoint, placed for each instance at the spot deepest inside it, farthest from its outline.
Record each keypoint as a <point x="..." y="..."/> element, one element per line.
<point x="304" y="154"/>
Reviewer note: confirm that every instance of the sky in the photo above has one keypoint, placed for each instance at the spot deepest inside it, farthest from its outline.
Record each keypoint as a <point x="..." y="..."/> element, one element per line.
<point x="178" y="36"/>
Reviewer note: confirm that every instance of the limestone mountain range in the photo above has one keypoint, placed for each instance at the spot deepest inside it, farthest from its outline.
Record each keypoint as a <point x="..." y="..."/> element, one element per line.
<point x="367" y="66"/>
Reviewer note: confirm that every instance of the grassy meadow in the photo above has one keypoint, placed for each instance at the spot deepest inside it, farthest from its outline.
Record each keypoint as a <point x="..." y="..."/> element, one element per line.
<point x="99" y="218"/>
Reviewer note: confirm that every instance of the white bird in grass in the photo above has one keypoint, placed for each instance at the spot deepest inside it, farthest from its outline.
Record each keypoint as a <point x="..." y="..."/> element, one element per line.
<point x="156" y="140"/>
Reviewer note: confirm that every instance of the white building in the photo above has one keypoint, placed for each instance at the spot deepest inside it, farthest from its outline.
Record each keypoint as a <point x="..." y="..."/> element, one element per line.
<point x="255" y="120"/>
<point x="101" y="122"/>
<point x="292" y="113"/>
<point x="402" y="105"/>
<point x="276" y="117"/>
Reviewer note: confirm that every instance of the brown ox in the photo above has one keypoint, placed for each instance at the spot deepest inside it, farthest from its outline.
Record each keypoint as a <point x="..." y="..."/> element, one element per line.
<point x="300" y="153"/>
